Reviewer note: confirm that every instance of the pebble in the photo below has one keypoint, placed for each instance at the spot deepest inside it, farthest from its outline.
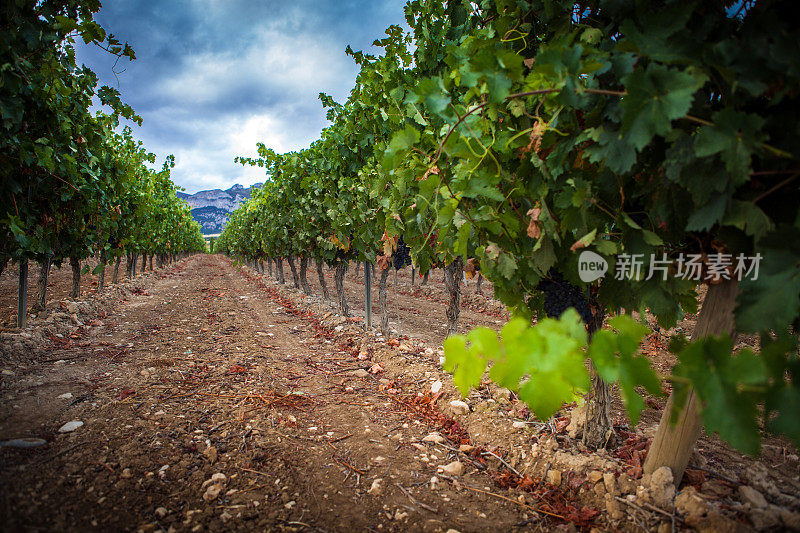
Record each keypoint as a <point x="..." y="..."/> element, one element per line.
<point x="23" y="443"/>
<point x="211" y="454"/>
<point x="216" y="478"/>
<point x="662" y="488"/>
<point x="212" y="492"/>
<point x="434" y="438"/>
<point x="70" y="426"/>
<point x="377" y="486"/>
<point x="690" y="503"/>
<point x="360" y="373"/>
<point x="459" y="407"/>
<point x="519" y="424"/>
<point x="161" y="512"/>
<point x="65" y="396"/>
<point x="436" y="386"/>
<point x="456" y="468"/>
<point x="750" y="495"/>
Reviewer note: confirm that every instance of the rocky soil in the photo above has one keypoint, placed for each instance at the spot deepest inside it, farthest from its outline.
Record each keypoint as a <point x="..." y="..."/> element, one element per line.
<point x="208" y="397"/>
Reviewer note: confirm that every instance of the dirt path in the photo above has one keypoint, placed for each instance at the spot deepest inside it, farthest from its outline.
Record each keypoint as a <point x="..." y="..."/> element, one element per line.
<point x="207" y="373"/>
<point x="213" y="399"/>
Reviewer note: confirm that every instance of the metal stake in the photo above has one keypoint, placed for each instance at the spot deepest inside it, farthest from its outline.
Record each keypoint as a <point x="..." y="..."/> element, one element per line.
<point x="22" y="300"/>
<point x="367" y="297"/>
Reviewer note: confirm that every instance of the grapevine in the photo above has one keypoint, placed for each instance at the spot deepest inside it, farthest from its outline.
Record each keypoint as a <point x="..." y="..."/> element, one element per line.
<point x="598" y="127"/>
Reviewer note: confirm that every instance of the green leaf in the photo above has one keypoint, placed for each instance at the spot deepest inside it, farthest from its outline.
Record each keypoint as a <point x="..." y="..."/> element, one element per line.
<point x="506" y="265"/>
<point x="735" y="136"/>
<point x="717" y="377"/>
<point x="460" y="247"/>
<point x="614" y="355"/>
<point x="787" y="401"/>
<point x="467" y="368"/>
<point x="591" y="35"/>
<point x="585" y="241"/>
<point x="772" y="300"/>
<point x="706" y="216"/>
<point x="651" y="238"/>
<point x="433" y="94"/>
<point x="657" y="95"/>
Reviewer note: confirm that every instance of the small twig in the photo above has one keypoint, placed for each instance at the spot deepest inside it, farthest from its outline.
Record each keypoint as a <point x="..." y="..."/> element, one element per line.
<point x="415" y="501"/>
<point x="717" y="474"/>
<point x="514" y="470"/>
<point x="354" y="469"/>
<point x="511" y="500"/>
<point x="62" y="452"/>
<point x="776" y="187"/>
<point x="342" y="438"/>
<point x="253" y="471"/>
<point x="650" y="506"/>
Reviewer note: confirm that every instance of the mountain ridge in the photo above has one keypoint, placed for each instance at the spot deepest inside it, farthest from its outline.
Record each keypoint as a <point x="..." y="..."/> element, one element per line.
<point x="212" y="208"/>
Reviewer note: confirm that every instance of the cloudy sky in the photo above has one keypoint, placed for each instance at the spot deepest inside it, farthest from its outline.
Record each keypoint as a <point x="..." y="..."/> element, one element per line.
<point x="213" y="77"/>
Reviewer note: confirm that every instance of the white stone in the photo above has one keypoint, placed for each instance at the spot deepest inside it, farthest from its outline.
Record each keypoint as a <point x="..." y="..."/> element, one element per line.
<point x="434" y="438"/>
<point x="70" y="426"/>
<point x="436" y="386"/>
<point x="459" y="407"/>
<point x="456" y="468"/>
<point x="65" y="396"/>
<point x="377" y="487"/>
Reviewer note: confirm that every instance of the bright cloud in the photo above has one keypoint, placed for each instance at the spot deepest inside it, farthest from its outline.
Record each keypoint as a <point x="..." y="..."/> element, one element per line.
<point x="213" y="78"/>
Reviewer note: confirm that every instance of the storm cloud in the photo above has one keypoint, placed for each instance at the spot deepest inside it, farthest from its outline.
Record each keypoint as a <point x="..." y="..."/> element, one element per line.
<point x="214" y="77"/>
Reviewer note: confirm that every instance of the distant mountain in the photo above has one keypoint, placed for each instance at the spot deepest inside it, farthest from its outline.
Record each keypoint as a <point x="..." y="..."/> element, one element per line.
<point x="212" y="209"/>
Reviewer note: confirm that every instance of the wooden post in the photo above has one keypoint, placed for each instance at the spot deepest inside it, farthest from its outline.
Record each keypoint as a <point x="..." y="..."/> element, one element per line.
<point x="40" y="298"/>
<point x="102" y="280"/>
<point x="367" y="297"/>
<point x="22" y="300"/>
<point x="673" y="443"/>
<point x="452" y="279"/>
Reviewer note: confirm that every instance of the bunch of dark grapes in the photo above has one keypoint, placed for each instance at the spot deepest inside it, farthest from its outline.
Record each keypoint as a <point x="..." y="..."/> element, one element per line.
<point x="402" y="256"/>
<point x="560" y="295"/>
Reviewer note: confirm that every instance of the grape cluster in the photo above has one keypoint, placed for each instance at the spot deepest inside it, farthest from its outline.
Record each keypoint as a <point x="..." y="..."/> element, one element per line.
<point x="401" y="256"/>
<point x="560" y="295"/>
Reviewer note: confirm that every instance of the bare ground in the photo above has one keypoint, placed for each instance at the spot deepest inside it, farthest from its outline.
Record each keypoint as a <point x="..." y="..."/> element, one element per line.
<point x="205" y="369"/>
<point x="203" y="374"/>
